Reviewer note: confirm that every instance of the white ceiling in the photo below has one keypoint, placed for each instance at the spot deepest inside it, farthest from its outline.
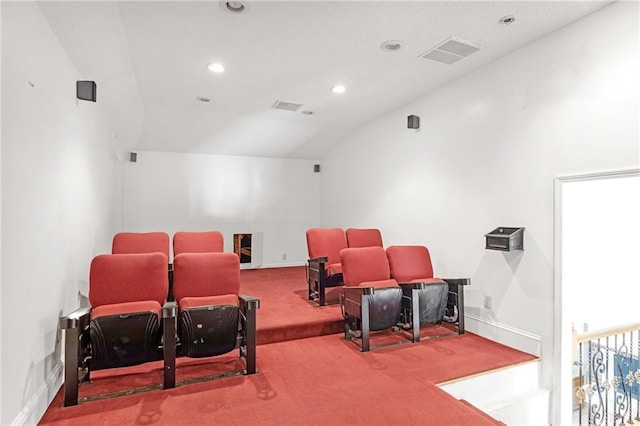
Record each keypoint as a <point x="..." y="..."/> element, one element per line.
<point x="149" y="60"/>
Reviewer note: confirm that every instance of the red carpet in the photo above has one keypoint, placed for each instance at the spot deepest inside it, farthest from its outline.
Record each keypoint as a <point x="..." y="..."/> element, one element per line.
<point x="316" y="380"/>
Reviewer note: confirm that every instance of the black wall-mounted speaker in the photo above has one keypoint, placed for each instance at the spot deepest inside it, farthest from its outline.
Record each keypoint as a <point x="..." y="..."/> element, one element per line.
<point x="316" y="168"/>
<point x="413" y="122"/>
<point x="133" y="157"/>
<point x="86" y="90"/>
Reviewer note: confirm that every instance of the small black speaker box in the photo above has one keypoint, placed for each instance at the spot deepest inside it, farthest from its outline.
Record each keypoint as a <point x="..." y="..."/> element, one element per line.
<point x="413" y="122"/>
<point x="316" y="168"/>
<point x="86" y="90"/>
<point x="133" y="157"/>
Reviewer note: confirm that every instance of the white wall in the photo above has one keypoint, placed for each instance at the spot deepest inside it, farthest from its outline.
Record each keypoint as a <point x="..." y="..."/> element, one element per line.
<point x="59" y="205"/>
<point x="487" y="153"/>
<point x="194" y="192"/>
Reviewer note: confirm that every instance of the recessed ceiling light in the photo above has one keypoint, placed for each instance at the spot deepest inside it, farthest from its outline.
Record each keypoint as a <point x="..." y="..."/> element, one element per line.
<point x="507" y="20"/>
<point x="338" y="89"/>
<point x="218" y="68"/>
<point x="307" y="112"/>
<point x="233" y="6"/>
<point x="391" y="45"/>
<point x="203" y="99"/>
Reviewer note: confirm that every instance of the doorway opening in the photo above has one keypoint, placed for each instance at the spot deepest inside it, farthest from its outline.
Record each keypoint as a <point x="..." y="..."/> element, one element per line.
<point x="242" y="247"/>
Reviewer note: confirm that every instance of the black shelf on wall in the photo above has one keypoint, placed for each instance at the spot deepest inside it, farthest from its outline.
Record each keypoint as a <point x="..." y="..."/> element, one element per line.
<point x="505" y="239"/>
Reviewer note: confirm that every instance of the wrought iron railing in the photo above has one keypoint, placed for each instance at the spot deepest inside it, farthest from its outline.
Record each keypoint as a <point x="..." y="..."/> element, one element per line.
<point x="607" y="376"/>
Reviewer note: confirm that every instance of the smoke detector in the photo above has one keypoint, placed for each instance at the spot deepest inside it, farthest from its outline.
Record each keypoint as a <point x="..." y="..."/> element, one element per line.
<point x="451" y="51"/>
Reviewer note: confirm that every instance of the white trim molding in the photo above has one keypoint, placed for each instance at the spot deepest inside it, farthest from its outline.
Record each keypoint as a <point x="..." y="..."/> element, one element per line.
<point x="36" y="406"/>
<point x="504" y="334"/>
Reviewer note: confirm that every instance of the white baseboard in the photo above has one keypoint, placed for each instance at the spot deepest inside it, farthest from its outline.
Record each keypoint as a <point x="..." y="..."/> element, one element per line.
<point x="35" y="408"/>
<point x="504" y="334"/>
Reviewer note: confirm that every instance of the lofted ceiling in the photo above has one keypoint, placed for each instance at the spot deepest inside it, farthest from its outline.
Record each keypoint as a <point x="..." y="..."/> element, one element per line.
<point x="149" y="59"/>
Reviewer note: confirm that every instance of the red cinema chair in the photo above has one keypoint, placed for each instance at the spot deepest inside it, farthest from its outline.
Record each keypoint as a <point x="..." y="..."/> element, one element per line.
<point x="198" y="242"/>
<point x="213" y="318"/>
<point x="323" y="268"/>
<point x="140" y="242"/>
<point x="124" y="325"/>
<point x="144" y="242"/>
<point x="371" y="299"/>
<point x="363" y="238"/>
<point x="411" y="266"/>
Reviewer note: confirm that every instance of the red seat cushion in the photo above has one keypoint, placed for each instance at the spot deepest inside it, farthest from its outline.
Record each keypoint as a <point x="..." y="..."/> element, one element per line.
<point x="205" y="274"/>
<point x="141" y="242"/>
<point x="126" y="308"/>
<point x="122" y="278"/>
<point x="332" y="269"/>
<point x="408" y="263"/>
<point x="363" y="238"/>
<point x="326" y="242"/>
<point x="198" y="242"/>
<point x="363" y="265"/>
<point x="195" y="302"/>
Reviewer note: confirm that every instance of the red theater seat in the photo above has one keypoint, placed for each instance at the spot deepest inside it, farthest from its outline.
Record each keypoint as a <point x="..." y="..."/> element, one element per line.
<point x="371" y="299"/>
<point x="212" y="316"/>
<point x="127" y="293"/>
<point x="324" y="269"/>
<point x="140" y="242"/>
<point x="198" y="242"/>
<point x="363" y="238"/>
<point x="411" y="267"/>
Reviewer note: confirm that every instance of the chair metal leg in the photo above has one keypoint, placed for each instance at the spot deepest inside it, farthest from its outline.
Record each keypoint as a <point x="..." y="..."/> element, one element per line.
<point x="169" y="313"/>
<point x="251" y="341"/>
<point x="365" y="323"/>
<point x="71" y="352"/>
<point x="249" y="306"/>
<point x="415" y="314"/>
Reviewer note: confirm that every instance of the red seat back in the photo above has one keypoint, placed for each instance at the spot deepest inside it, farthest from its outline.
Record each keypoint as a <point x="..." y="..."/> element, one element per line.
<point x="141" y="242"/>
<point x="121" y="278"/>
<point x="409" y="263"/>
<point x="364" y="264"/>
<point x="363" y="238"/>
<point x="205" y="274"/>
<point x="198" y="242"/>
<point x="326" y="242"/>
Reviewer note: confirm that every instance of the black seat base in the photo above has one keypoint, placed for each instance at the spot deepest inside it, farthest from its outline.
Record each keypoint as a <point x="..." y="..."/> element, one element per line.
<point x="112" y="348"/>
<point x="209" y="330"/>
<point x="367" y="309"/>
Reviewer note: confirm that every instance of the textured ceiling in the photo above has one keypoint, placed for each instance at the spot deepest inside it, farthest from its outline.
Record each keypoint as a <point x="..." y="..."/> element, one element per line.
<point x="149" y="60"/>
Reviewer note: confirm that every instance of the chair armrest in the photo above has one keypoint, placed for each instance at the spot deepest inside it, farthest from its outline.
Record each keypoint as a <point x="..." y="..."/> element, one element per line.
<point x="357" y="291"/>
<point x="411" y="286"/>
<point x="76" y="319"/>
<point x="457" y="281"/>
<point x="248" y="303"/>
<point x="323" y="259"/>
<point x="169" y="310"/>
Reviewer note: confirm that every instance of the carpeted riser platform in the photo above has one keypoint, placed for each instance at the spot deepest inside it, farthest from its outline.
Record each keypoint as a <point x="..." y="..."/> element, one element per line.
<point x="308" y="374"/>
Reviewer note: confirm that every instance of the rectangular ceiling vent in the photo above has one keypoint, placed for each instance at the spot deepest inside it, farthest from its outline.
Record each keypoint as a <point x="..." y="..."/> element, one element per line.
<point x="287" y="106"/>
<point x="451" y="51"/>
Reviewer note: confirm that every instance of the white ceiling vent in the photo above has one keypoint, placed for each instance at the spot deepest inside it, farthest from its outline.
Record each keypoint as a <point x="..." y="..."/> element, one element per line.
<point x="287" y="106"/>
<point x="451" y="51"/>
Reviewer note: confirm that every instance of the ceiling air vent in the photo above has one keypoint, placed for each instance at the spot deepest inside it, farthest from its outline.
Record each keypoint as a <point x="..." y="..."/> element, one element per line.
<point x="287" y="106"/>
<point x="451" y="51"/>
